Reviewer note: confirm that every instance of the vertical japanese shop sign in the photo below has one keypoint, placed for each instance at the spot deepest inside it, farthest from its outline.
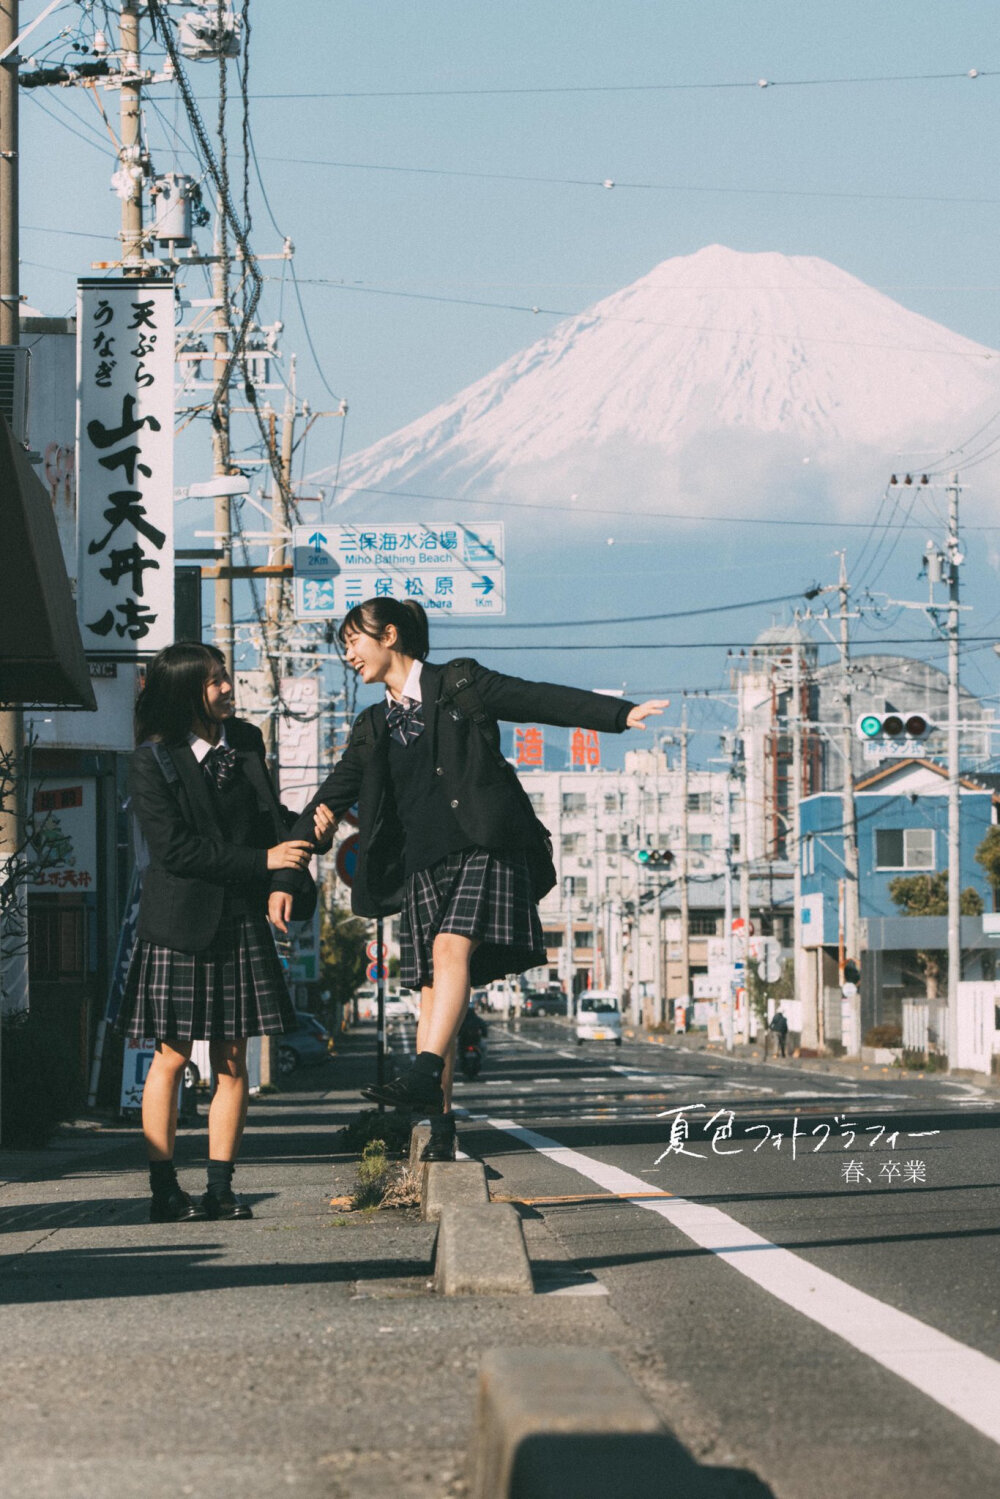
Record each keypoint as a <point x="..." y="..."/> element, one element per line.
<point x="125" y="468"/>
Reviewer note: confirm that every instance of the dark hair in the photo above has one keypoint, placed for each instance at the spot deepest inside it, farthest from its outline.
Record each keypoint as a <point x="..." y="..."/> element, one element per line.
<point x="173" y="700"/>
<point x="374" y="616"/>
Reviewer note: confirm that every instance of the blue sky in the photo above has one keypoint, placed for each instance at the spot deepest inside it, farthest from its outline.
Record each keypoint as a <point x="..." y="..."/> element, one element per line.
<point x="893" y="180"/>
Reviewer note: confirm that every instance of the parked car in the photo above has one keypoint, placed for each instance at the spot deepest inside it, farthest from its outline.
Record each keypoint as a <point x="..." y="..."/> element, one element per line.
<point x="598" y="1017"/>
<point x="304" y="1047"/>
<point x="313" y="1023"/>
<point x="543" y="1002"/>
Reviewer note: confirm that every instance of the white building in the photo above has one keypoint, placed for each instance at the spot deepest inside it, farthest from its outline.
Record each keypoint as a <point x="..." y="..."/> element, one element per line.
<point x="618" y="917"/>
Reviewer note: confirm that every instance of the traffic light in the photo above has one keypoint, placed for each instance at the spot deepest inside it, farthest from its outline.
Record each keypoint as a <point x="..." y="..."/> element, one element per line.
<point x="657" y="857"/>
<point x="888" y="727"/>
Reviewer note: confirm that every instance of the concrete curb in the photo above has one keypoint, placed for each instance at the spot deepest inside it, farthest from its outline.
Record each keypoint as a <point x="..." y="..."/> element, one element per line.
<point x="419" y="1136"/>
<point x="443" y="1183"/>
<point x="551" y="1422"/>
<point x="480" y="1251"/>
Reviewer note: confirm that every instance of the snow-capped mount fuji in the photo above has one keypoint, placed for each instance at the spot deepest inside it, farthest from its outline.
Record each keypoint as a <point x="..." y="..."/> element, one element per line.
<point x="715" y="377"/>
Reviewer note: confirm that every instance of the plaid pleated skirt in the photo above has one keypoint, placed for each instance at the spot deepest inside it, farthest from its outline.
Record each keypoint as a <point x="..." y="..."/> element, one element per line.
<point x="476" y="894"/>
<point x="235" y="988"/>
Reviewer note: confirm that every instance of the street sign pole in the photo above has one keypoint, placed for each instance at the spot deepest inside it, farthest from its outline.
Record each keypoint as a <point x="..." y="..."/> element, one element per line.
<point x="380" y="992"/>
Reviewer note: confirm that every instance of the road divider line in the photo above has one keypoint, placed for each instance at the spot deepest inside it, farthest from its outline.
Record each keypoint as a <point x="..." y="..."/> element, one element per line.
<point x="960" y="1379"/>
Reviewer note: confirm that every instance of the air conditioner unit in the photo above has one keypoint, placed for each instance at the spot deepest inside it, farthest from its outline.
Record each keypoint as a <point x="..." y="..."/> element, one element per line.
<point x="14" y="364"/>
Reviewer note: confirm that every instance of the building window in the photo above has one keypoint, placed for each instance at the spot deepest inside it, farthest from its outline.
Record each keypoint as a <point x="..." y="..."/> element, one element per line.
<point x="577" y="885"/>
<point x="583" y="939"/>
<point x="700" y="843"/>
<point x="553" y="938"/>
<point x="611" y="801"/>
<point x="734" y="843"/>
<point x="574" y="801"/>
<point x="574" y="843"/>
<point x="56" y="948"/>
<point x="702" y="924"/>
<point x="537" y="800"/>
<point x="904" y="848"/>
<point x="611" y="843"/>
<point x="699" y="801"/>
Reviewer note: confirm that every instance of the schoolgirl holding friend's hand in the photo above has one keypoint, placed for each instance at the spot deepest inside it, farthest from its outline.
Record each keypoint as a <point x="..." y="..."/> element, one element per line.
<point x="204" y="965"/>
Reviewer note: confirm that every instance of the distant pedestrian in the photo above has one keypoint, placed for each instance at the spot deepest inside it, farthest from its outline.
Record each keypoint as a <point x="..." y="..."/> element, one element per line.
<point x="448" y="837"/>
<point x="779" y="1025"/>
<point x="204" y="965"/>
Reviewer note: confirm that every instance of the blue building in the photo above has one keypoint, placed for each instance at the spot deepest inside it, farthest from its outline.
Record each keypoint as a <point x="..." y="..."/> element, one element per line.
<point x="902" y="826"/>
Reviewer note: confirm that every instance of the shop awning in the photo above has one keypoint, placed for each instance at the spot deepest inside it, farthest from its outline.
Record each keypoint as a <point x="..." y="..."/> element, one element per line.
<point x="42" y="662"/>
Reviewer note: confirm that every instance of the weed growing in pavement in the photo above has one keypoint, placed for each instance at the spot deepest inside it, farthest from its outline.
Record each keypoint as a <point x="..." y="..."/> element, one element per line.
<point x="380" y="1184"/>
<point x="373" y="1177"/>
<point x="403" y="1190"/>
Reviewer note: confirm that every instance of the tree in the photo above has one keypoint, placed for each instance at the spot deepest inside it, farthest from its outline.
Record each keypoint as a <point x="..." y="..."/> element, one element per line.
<point x="927" y="895"/>
<point x="988" y="855"/>
<point x="342" y="954"/>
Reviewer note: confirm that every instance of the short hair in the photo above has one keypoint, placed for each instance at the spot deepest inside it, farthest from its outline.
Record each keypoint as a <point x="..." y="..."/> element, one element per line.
<point x="375" y="615"/>
<point x="172" y="702"/>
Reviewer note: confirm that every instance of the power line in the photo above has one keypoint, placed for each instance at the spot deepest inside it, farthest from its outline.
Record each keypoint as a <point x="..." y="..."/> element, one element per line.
<point x="700" y="645"/>
<point x="593" y="317"/>
<point x="693" y="517"/>
<point x="637" y="619"/>
<point x="608" y="183"/>
<point x="628" y="88"/>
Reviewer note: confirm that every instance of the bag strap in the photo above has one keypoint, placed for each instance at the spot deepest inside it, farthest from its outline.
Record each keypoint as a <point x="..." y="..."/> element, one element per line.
<point x="460" y="689"/>
<point x="363" y="732"/>
<point x="164" y="761"/>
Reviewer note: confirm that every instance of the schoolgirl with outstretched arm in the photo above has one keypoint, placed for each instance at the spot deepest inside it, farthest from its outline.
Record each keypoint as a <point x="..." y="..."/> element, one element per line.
<point x="447" y="836"/>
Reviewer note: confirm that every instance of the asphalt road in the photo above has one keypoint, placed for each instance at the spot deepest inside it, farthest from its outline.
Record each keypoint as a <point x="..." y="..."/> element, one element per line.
<point x="814" y="1269"/>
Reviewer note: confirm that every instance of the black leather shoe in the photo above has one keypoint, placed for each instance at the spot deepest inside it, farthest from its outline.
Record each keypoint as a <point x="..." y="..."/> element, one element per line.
<point x="441" y="1144"/>
<point x="176" y="1207"/>
<point x="226" y="1205"/>
<point x="412" y="1090"/>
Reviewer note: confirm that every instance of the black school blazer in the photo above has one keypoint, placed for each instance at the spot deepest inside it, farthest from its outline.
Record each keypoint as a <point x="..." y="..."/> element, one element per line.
<point x="489" y="805"/>
<point x="191" y="861"/>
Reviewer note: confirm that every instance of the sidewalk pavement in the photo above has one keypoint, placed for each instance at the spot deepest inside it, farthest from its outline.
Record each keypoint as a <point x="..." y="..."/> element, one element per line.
<point x="302" y="1352"/>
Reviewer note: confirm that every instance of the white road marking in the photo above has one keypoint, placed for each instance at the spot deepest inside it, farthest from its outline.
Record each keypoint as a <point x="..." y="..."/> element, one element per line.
<point x="960" y="1379"/>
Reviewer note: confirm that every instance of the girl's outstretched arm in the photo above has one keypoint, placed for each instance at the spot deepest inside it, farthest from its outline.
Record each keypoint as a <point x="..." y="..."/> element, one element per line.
<point x="642" y="711"/>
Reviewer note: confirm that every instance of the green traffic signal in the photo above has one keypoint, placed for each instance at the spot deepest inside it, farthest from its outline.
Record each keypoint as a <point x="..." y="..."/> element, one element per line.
<point x="870" y="726"/>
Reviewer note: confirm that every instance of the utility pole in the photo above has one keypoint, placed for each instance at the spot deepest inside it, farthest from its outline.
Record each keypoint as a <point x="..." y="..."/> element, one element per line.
<point x="130" y="150"/>
<point x="685" y="896"/>
<point x="13" y="970"/>
<point x="812" y="1025"/>
<point x="727" y="998"/>
<point x="745" y="883"/>
<point x="221" y="456"/>
<point x="568" y="944"/>
<point x="852" y="898"/>
<point x="954" y="786"/>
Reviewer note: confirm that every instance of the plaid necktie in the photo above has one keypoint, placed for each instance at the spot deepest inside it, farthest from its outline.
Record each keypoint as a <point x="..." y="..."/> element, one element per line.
<point x="405" y="720"/>
<point x="220" y="765"/>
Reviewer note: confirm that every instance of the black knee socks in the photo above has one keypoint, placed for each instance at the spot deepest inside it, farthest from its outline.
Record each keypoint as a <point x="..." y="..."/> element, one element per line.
<point x="220" y="1177"/>
<point x="430" y="1063"/>
<point x="162" y="1178"/>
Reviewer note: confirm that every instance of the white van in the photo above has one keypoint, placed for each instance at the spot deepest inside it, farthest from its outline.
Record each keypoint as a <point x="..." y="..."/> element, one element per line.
<point x="598" y="1017"/>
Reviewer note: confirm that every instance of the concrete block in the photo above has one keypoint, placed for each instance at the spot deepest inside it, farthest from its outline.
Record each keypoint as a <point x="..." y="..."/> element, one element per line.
<point x="481" y="1252"/>
<point x="445" y="1182"/>
<point x="419" y="1135"/>
<point x="553" y="1422"/>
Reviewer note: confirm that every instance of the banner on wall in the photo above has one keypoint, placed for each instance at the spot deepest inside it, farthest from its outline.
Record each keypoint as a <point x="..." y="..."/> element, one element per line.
<point x="125" y="470"/>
